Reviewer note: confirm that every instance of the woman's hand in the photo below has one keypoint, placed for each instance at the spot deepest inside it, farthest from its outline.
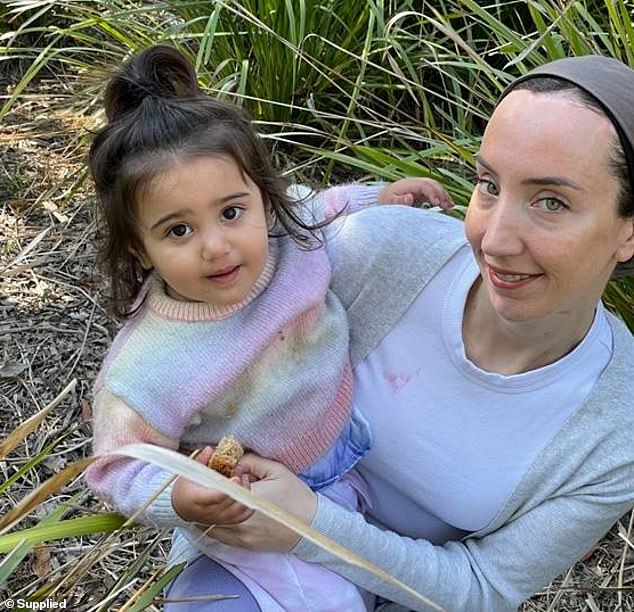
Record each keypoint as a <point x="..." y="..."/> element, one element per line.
<point x="280" y="486"/>
<point x="205" y="506"/>
<point x="416" y="191"/>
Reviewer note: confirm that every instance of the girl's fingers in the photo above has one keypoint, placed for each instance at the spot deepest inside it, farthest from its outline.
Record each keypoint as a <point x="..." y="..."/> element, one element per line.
<point x="205" y="455"/>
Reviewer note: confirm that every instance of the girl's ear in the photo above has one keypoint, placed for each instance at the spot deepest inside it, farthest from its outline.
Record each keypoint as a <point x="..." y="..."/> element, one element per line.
<point x="270" y="214"/>
<point x="142" y="258"/>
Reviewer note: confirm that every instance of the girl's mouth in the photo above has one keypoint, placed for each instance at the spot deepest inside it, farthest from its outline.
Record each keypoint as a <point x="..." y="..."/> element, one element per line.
<point x="226" y="276"/>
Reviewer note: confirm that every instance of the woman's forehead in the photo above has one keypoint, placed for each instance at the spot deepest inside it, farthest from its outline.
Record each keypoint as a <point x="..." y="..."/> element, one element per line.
<point x="609" y="81"/>
<point x="548" y="131"/>
<point x="558" y="111"/>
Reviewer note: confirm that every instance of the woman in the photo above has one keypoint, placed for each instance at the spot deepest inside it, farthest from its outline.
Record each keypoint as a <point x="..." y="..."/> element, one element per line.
<point x="498" y="387"/>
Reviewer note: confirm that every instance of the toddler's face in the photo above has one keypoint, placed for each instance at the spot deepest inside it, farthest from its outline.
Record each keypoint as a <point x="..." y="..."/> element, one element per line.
<point x="203" y="227"/>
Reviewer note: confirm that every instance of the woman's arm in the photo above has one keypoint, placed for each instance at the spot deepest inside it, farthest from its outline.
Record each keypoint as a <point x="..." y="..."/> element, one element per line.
<point x="493" y="572"/>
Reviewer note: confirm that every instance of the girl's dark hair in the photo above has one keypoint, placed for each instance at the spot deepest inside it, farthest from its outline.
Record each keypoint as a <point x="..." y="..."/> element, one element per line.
<point x="157" y="116"/>
<point x="617" y="162"/>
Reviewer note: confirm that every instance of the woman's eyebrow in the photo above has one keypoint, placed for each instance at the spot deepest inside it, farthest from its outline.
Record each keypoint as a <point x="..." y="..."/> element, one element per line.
<point x="481" y="161"/>
<point x="559" y="181"/>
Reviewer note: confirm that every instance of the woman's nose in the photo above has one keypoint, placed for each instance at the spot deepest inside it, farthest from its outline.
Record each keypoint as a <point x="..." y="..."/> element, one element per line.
<point x="503" y="231"/>
<point x="214" y="244"/>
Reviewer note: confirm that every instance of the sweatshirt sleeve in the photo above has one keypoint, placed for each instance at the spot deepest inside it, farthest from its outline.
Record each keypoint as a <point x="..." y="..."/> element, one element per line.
<point x="332" y="202"/>
<point x="133" y="487"/>
<point x="497" y="571"/>
<point x="381" y="258"/>
<point x="349" y="199"/>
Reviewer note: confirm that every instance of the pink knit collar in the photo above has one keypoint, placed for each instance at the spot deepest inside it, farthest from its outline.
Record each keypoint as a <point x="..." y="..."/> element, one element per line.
<point x="166" y="306"/>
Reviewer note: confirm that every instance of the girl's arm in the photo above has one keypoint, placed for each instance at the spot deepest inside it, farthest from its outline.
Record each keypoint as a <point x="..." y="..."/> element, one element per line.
<point x="140" y="489"/>
<point x="351" y="198"/>
<point x="416" y="191"/>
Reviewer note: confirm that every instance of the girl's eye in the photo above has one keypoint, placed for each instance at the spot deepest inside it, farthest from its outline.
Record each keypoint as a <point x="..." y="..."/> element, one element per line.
<point x="180" y="231"/>
<point x="487" y="187"/>
<point x="231" y="213"/>
<point x="551" y="205"/>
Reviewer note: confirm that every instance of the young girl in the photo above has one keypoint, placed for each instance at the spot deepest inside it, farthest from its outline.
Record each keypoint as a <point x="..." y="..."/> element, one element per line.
<point x="231" y="327"/>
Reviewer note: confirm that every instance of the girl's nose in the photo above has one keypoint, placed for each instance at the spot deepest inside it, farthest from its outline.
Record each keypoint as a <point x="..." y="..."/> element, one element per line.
<point x="214" y="244"/>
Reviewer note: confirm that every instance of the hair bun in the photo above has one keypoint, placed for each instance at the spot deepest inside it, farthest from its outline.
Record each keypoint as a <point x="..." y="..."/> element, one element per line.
<point x="159" y="72"/>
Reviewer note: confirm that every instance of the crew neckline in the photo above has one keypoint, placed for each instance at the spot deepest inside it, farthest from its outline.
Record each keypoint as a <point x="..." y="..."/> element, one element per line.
<point x="451" y="323"/>
<point x="162" y="304"/>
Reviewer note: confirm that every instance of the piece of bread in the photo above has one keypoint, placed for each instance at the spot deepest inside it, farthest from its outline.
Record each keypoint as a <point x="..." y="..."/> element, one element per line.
<point x="226" y="456"/>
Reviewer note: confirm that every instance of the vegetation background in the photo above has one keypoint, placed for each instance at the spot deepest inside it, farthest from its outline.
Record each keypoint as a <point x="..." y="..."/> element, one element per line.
<point x="341" y="90"/>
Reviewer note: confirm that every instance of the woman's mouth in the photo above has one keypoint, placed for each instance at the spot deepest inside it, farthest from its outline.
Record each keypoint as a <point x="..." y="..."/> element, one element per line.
<point x="503" y="279"/>
<point x="511" y="278"/>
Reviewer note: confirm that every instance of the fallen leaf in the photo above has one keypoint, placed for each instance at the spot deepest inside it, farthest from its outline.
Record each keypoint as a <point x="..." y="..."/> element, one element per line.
<point x="12" y="369"/>
<point x="86" y="409"/>
<point x="41" y="565"/>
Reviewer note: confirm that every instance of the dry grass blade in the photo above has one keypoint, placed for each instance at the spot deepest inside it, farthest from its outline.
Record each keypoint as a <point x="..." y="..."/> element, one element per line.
<point x="184" y="466"/>
<point x="199" y="599"/>
<point x="34" y="499"/>
<point x="137" y="595"/>
<point x="628" y="545"/>
<point x="29" y="247"/>
<point x="17" y="436"/>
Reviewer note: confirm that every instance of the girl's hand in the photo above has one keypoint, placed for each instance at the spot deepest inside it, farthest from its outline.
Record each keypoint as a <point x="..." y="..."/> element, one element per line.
<point x="416" y="191"/>
<point x="198" y="504"/>
<point x="280" y="486"/>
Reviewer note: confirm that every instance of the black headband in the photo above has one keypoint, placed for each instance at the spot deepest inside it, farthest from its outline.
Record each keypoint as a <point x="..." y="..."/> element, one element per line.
<point x="608" y="80"/>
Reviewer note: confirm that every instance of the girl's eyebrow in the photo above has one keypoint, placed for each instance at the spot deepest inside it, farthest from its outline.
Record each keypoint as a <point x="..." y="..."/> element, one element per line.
<point x="233" y="196"/>
<point x="174" y="215"/>
<point x="179" y="213"/>
<point x="558" y="181"/>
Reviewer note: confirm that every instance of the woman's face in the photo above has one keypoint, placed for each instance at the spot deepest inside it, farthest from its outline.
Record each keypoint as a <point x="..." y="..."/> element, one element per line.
<point x="543" y="220"/>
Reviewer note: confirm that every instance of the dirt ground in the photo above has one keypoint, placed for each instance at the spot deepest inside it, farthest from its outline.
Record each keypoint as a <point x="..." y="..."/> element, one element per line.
<point x="53" y="329"/>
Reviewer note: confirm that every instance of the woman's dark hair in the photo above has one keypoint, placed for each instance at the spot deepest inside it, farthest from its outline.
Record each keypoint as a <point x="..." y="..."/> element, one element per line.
<point x="617" y="162"/>
<point x="157" y="116"/>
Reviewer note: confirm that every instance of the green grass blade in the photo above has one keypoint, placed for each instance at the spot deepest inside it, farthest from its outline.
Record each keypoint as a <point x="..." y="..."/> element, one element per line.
<point x="38" y="495"/>
<point x="23" y="548"/>
<point x="155" y="591"/>
<point x="18" y="552"/>
<point x="71" y="528"/>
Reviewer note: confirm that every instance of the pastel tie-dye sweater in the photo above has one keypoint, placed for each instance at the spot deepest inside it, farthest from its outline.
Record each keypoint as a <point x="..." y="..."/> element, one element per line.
<point x="272" y="370"/>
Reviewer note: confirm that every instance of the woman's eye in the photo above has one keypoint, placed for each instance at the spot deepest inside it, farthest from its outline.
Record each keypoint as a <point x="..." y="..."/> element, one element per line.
<point x="180" y="231"/>
<point x="487" y="187"/>
<point x="551" y="204"/>
<point x="231" y="213"/>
